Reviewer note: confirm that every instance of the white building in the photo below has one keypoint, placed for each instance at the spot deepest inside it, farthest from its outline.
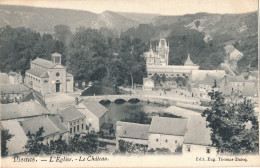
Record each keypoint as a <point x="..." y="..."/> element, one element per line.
<point x="166" y="133"/>
<point x="132" y="132"/>
<point x="96" y="114"/>
<point x="197" y="138"/>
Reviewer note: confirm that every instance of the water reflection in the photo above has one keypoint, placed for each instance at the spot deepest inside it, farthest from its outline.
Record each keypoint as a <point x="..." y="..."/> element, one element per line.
<point x="118" y="112"/>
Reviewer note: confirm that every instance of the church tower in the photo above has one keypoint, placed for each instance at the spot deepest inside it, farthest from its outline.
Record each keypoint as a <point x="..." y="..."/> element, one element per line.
<point x="56" y="58"/>
<point x="163" y="51"/>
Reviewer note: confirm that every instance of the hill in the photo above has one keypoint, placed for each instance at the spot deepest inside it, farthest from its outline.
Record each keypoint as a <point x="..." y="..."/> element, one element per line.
<point x="44" y="19"/>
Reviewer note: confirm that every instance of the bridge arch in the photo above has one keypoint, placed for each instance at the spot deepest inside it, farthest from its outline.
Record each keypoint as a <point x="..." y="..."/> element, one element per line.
<point x="134" y="100"/>
<point x="104" y="102"/>
<point x="119" y="101"/>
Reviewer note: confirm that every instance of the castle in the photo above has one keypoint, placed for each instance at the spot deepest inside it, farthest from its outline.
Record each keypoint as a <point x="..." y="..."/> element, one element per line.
<point x="157" y="62"/>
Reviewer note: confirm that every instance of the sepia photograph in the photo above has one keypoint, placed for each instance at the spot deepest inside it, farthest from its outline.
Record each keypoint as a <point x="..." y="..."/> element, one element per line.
<point x="129" y="83"/>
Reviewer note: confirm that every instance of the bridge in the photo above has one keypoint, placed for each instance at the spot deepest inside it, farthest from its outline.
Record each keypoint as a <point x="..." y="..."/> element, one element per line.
<point x="150" y="98"/>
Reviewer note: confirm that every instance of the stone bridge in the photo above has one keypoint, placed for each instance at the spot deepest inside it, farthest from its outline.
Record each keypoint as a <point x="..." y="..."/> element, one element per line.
<point x="154" y="99"/>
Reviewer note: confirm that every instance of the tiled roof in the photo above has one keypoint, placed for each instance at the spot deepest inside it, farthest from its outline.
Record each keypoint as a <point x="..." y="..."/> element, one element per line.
<point x="197" y="132"/>
<point x="95" y="107"/>
<point x="43" y="62"/>
<point x="34" y="124"/>
<point x="4" y="78"/>
<point x="35" y="96"/>
<point x="254" y="74"/>
<point x="71" y="113"/>
<point x="209" y="80"/>
<point x="235" y="78"/>
<point x="168" y="126"/>
<point x="17" y="143"/>
<point x="132" y="130"/>
<point x="197" y="75"/>
<point x="13" y="88"/>
<point x="38" y="72"/>
<point x="58" y="123"/>
<point x="22" y="110"/>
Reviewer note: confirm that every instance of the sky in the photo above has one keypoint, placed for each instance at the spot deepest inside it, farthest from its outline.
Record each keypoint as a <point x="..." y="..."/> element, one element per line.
<point x="163" y="7"/>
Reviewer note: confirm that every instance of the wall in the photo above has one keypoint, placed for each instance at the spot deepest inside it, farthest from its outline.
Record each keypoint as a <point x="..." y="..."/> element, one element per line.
<point x="70" y="84"/>
<point x="75" y="123"/>
<point x="135" y="141"/>
<point x="53" y="78"/>
<point x="170" y="142"/>
<point x="195" y="149"/>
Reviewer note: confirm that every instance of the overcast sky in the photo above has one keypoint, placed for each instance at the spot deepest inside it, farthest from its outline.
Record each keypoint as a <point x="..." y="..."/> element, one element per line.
<point x="164" y="7"/>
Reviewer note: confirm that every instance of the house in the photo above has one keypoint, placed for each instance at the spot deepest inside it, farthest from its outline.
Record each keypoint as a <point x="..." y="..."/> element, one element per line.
<point x="166" y="133"/>
<point x="15" y="78"/>
<point x="4" y="78"/>
<point x="202" y="88"/>
<point x="16" y="145"/>
<point x="197" y="137"/>
<point x="199" y="75"/>
<point x="96" y="114"/>
<point x="132" y="132"/>
<point x="253" y="75"/>
<point x="250" y="89"/>
<point x="73" y="119"/>
<point x="22" y="110"/>
<point x="49" y="76"/>
<point x="51" y="132"/>
<point x="13" y="92"/>
<point x="148" y="84"/>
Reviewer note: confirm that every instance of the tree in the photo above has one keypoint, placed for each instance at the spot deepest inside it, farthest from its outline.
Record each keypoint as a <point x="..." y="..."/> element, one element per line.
<point x="35" y="144"/>
<point x="5" y="136"/>
<point x="234" y="126"/>
<point x="85" y="143"/>
<point x="63" y="33"/>
<point x="126" y="147"/>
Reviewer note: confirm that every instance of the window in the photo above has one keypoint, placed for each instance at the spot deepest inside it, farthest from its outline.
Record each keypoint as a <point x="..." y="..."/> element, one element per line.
<point x="57" y="74"/>
<point x="71" y="130"/>
<point x="166" y="140"/>
<point x="74" y="128"/>
<point x="188" y="148"/>
<point x="176" y="141"/>
<point x="90" y="124"/>
<point x="82" y="126"/>
<point x="74" y="123"/>
<point x="77" y="127"/>
<point x="82" y="120"/>
<point x="156" y="139"/>
<point x="207" y="150"/>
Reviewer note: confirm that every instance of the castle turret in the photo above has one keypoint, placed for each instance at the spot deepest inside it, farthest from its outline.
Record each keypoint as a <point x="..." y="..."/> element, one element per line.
<point x="188" y="62"/>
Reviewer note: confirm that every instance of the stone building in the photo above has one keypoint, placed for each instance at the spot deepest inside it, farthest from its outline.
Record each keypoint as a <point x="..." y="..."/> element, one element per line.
<point x="132" y="132"/>
<point x="197" y="137"/>
<point x="49" y="76"/>
<point x="166" y="133"/>
<point x="96" y="114"/>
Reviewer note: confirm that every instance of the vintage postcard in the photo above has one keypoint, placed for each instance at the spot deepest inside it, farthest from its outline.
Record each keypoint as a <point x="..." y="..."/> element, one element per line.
<point x="129" y="83"/>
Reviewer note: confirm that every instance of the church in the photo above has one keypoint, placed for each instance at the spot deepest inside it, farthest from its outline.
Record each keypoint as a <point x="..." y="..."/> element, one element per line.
<point x="157" y="62"/>
<point x="49" y="77"/>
